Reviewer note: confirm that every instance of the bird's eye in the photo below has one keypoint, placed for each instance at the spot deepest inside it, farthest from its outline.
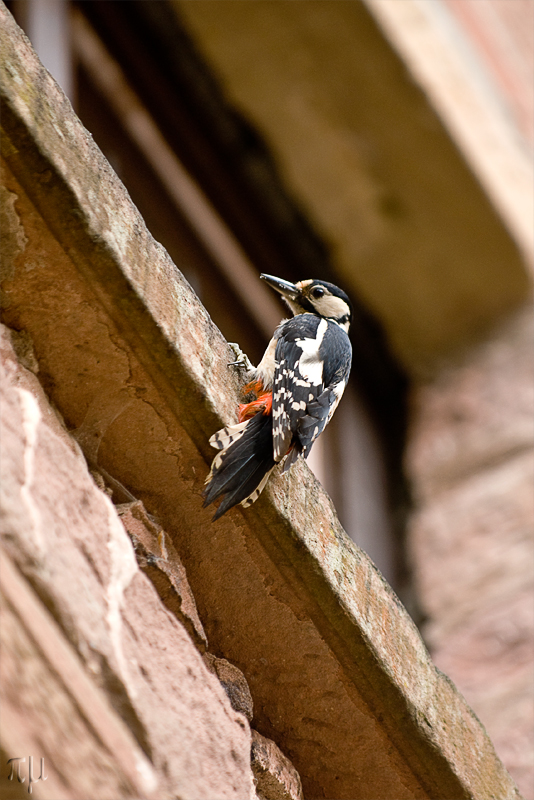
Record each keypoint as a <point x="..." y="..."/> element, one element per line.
<point x="318" y="292"/>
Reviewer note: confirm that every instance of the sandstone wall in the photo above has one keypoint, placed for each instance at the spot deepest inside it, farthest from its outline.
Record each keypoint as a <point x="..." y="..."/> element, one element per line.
<point x="471" y="459"/>
<point x="64" y="534"/>
<point x="107" y="680"/>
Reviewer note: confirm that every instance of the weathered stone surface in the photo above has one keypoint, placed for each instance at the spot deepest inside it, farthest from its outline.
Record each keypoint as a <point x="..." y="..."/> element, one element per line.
<point x="300" y="574"/>
<point x="157" y="557"/>
<point x="65" y="536"/>
<point x="339" y="675"/>
<point x="275" y="776"/>
<point x="52" y="709"/>
<point x="234" y="684"/>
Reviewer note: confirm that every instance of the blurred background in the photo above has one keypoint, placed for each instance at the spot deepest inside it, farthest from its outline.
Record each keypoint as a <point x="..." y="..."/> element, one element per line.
<point x="386" y="146"/>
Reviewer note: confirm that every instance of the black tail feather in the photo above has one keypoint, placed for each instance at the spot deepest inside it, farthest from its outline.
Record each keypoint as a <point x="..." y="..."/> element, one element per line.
<point x="243" y="465"/>
<point x="244" y="490"/>
<point x="226" y="476"/>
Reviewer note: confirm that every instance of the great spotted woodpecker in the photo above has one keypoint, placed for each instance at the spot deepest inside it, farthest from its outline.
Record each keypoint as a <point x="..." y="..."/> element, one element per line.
<point x="297" y="386"/>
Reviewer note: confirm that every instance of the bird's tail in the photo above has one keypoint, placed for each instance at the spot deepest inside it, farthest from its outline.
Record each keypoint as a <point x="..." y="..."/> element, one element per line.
<point x="240" y="471"/>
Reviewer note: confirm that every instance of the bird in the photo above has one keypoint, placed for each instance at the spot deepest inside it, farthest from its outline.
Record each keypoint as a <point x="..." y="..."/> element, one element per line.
<point x="296" y="387"/>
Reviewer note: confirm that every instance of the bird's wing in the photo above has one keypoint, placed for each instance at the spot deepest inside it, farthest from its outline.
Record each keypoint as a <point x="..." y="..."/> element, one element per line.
<point x="313" y="359"/>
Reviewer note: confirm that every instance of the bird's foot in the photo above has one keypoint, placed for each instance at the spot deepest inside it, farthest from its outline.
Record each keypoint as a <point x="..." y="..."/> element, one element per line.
<point x="242" y="361"/>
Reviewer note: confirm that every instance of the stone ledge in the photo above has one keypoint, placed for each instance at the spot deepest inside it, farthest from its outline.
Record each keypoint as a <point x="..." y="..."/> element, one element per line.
<point x="339" y="675"/>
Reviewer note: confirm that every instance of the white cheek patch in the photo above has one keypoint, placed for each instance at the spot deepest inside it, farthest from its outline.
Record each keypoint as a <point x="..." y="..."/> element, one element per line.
<point x="330" y="306"/>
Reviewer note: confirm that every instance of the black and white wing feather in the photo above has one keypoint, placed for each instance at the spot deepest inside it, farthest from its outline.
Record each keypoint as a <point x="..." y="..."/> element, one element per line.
<point x="307" y="384"/>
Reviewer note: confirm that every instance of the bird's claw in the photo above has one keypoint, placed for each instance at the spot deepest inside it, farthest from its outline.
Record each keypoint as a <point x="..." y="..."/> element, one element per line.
<point x="242" y="360"/>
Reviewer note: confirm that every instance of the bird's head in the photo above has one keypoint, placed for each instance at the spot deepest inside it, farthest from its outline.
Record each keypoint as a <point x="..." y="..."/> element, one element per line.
<point x="314" y="297"/>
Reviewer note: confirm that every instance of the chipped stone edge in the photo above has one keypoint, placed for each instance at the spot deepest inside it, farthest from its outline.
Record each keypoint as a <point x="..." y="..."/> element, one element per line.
<point x="91" y="214"/>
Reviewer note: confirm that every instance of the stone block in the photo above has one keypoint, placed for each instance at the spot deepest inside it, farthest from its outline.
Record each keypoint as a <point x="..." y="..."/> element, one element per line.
<point x="470" y="538"/>
<point x="274" y="775"/>
<point x="234" y="684"/>
<point x="490" y="656"/>
<point x="157" y="557"/>
<point x="52" y="710"/>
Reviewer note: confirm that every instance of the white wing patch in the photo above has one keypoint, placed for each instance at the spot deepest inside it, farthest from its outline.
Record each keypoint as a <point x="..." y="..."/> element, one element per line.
<point x="291" y="381"/>
<point x="310" y="365"/>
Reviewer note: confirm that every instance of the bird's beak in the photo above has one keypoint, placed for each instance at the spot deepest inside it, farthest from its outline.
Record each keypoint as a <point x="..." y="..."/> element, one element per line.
<point x="286" y="289"/>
